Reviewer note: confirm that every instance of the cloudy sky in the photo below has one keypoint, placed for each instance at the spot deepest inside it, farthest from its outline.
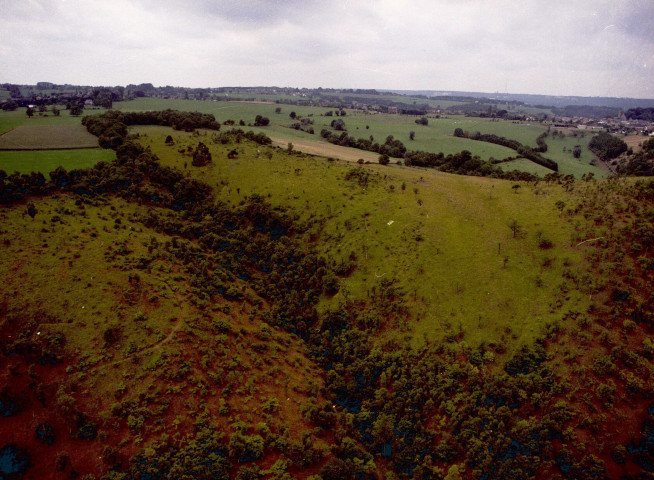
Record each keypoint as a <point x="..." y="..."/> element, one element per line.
<point x="553" y="47"/>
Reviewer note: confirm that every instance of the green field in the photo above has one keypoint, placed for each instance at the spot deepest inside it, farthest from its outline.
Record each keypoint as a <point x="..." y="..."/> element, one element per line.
<point x="565" y="159"/>
<point x="47" y="137"/>
<point x="436" y="137"/>
<point x="45" y="161"/>
<point x="524" y="165"/>
<point x="47" y="132"/>
<point x="9" y="120"/>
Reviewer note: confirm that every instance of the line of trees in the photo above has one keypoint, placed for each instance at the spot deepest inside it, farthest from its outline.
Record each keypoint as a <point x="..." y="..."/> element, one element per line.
<point x="391" y="146"/>
<point x="523" y="150"/>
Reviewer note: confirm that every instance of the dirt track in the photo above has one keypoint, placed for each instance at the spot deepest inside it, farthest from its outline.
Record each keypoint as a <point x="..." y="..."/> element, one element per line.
<point x="325" y="149"/>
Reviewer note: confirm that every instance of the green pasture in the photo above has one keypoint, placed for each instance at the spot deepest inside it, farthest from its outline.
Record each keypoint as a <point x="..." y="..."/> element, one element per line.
<point x="253" y="96"/>
<point x="559" y="149"/>
<point x="372" y="99"/>
<point x="435" y="137"/>
<point x="444" y="238"/>
<point x="524" y="165"/>
<point x="9" y="120"/>
<point x="45" y="161"/>
<point x="524" y="132"/>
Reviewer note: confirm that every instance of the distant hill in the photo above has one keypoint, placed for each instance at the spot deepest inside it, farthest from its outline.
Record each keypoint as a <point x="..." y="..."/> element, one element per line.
<point x="537" y="100"/>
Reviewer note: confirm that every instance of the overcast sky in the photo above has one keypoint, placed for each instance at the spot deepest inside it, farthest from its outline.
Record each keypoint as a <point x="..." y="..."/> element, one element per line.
<point x="571" y="47"/>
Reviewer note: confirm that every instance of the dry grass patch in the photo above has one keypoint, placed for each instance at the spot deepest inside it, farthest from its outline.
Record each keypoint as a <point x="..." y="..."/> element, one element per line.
<point x="325" y="149"/>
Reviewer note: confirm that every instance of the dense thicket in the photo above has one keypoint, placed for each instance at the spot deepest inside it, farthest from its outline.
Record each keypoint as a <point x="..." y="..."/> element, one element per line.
<point x="640" y="164"/>
<point x="607" y="146"/>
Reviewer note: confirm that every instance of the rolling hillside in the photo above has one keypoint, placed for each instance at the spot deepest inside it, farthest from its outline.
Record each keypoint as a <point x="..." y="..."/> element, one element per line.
<point x="213" y="306"/>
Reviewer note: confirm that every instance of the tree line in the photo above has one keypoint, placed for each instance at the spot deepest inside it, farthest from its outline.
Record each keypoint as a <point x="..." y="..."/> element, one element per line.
<point x="523" y="150"/>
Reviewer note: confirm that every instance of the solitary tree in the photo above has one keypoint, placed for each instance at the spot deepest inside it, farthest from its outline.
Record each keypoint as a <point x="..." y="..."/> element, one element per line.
<point x="576" y="152"/>
<point x="383" y="159"/>
<point x="29" y="111"/>
<point x="201" y="155"/>
<point x="458" y="132"/>
<point x="412" y="134"/>
<point x="260" y="121"/>
<point x="338" y="125"/>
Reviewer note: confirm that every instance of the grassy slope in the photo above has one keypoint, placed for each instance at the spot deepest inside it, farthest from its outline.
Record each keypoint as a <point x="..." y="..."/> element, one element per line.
<point x="442" y="248"/>
<point x="454" y="276"/>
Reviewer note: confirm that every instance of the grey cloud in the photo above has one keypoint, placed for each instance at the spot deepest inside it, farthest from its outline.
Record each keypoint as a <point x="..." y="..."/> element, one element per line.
<point x="557" y="47"/>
